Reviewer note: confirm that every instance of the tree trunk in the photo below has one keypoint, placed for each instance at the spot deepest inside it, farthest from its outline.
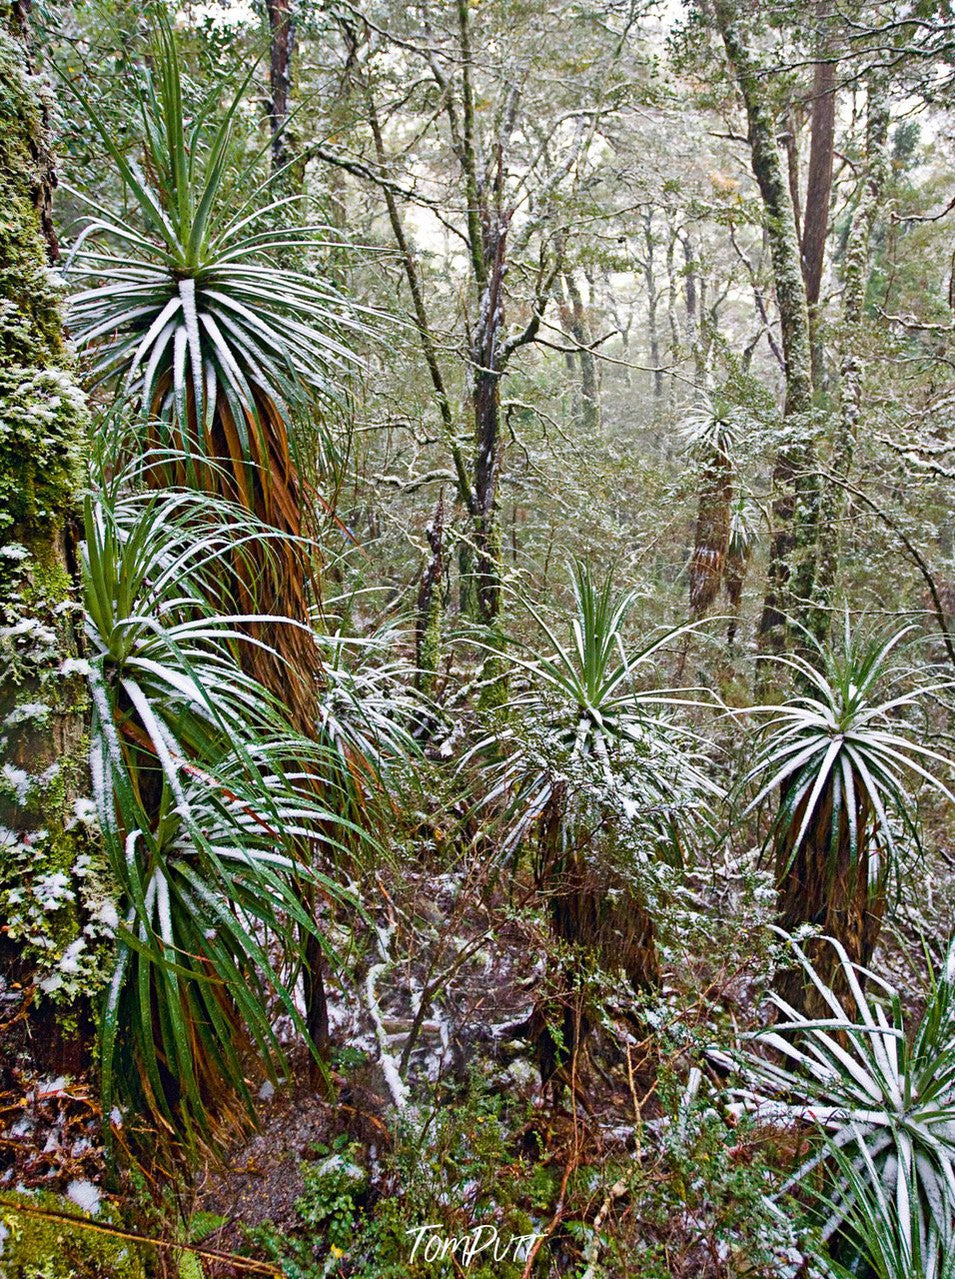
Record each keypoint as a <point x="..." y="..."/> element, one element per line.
<point x="596" y="916"/>
<point x="818" y="196"/>
<point x="819" y="185"/>
<point x="711" y="540"/>
<point x="588" y="419"/>
<point x="694" y="295"/>
<point x="832" y="892"/>
<point x="856" y="274"/>
<point x="428" y="623"/>
<point x="486" y="405"/>
<point x="795" y="479"/>
<point x="653" y="327"/>
<point x="487" y="242"/>
<point x="43" y="700"/>
<point x="791" y="141"/>
<point x="281" y="44"/>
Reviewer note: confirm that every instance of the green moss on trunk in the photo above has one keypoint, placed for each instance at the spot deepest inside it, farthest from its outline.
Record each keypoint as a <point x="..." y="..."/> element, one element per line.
<point x="54" y="894"/>
<point x="795" y="475"/>
<point x="48" y="1237"/>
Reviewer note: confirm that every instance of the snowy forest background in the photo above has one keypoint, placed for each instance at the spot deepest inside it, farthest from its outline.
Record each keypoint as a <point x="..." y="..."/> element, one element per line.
<point x="477" y="569"/>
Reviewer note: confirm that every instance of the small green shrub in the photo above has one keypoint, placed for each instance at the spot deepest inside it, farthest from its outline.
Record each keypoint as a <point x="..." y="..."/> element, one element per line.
<point x="453" y="1167"/>
<point x="328" y="1209"/>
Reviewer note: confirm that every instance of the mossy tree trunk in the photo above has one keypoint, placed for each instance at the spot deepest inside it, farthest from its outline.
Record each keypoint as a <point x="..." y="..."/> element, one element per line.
<point x="54" y="894"/>
<point x="488" y="223"/>
<point x="795" y="476"/>
<point x="587" y="402"/>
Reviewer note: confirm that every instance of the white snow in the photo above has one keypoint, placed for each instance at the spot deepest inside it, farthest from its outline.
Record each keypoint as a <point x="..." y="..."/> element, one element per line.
<point x="85" y="1195"/>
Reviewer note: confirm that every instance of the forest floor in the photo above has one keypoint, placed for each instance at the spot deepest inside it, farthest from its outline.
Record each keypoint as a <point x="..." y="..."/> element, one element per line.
<point x="431" y="1023"/>
<point x="463" y="984"/>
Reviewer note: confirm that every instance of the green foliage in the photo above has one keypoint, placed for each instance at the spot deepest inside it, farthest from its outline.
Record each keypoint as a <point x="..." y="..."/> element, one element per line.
<point x="42" y="415"/>
<point x="332" y="1187"/>
<point x="584" y="717"/>
<point x="841" y="753"/>
<point x="453" y="1167"/>
<point x="201" y="306"/>
<point x="365" y="715"/>
<point x="701" y="1190"/>
<point x="716" y="428"/>
<point x="188" y="306"/>
<point x="877" y="1236"/>
<point x="328" y="1211"/>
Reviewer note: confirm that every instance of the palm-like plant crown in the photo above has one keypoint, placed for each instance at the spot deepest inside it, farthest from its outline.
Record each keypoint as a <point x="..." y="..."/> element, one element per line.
<point x="714" y="427"/>
<point x="207" y="805"/>
<point x="712" y="433"/>
<point x="585" y="718"/>
<point x="188" y="310"/>
<point x="187" y="303"/>
<point x="602" y="783"/>
<point x="885" y="1100"/>
<point x="843" y="754"/>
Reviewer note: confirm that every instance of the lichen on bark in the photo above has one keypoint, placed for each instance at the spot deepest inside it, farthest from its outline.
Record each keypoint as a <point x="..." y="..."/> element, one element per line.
<point x="795" y="474"/>
<point x="51" y="874"/>
<point x="42" y="417"/>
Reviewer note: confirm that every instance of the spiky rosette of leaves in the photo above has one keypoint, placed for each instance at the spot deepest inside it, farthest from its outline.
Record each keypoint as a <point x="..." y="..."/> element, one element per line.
<point x="884" y="1098"/>
<point x="187" y="306"/>
<point x="739" y="548"/>
<point x="587" y="750"/>
<point x="209" y="811"/>
<point x="843" y="757"/>
<point x="587" y="694"/>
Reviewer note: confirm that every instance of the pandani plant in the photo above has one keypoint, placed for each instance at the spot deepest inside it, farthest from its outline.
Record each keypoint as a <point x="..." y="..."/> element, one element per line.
<point x="880" y="1095"/>
<point x="601" y="782"/>
<point x="206" y="801"/>
<point x="739" y="549"/>
<point x="842" y="756"/>
<point x="190" y="312"/>
<point x="711" y="435"/>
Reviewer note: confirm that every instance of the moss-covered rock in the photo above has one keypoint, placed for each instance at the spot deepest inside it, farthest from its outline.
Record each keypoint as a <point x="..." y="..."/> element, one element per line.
<point x="46" y="1236"/>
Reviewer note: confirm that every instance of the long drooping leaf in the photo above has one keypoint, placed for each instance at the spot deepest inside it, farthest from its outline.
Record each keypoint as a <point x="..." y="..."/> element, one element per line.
<point x="209" y="809"/>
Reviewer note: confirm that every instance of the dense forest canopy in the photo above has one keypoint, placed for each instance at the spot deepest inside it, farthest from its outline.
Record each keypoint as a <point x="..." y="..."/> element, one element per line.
<point x="477" y="580"/>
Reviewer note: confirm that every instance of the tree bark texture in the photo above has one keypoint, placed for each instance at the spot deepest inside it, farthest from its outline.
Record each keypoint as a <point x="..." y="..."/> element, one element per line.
<point x="795" y="479"/>
<point x="281" y="45"/>
<point x="588" y="403"/>
<point x="43" y="699"/>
